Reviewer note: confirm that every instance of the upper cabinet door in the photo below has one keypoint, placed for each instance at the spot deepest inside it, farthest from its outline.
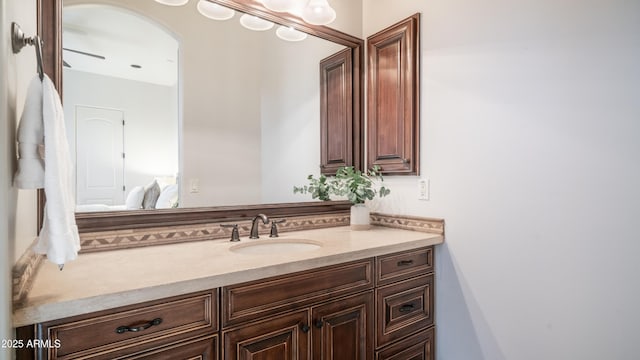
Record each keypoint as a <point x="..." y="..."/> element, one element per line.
<point x="336" y="112"/>
<point x="393" y="109"/>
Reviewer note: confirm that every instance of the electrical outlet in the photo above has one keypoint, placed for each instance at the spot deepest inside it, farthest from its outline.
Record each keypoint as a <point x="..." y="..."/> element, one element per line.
<point x="194" y="185"/>
<point x="423" y="189"/>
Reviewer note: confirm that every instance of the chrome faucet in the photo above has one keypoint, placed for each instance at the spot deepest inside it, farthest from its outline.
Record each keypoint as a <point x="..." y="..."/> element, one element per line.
<point x="255" y="225"/>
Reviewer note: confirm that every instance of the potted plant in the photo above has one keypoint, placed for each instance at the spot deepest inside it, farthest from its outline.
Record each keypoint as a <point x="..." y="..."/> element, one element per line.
<point x="355" y="185"/>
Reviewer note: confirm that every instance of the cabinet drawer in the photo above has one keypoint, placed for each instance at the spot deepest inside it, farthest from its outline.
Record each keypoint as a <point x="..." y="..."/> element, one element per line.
<point x="260" y="298"/>
<point x="418" y="346"/>
<point x="201" y="349"/>
<point x="403" y="308"/>
<point x="404" y="265"/>
<point x="110" y="334"/>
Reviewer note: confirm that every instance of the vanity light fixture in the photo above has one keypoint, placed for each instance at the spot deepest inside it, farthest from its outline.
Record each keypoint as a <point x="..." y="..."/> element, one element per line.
<point x="172" y="2"/>
<point x="290" y="34"/>
<point x="280" y="5"/>
<point x="214" y="11"/>
<point x="318" y="12"/>
<point x="255" y="23"/>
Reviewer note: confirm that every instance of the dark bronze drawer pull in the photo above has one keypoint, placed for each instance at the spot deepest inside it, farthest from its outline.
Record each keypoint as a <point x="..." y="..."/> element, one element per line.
<point x="318" y="323"/>
<point x="407" y="308"/>
<point x="124" y="329"/>
<point x="405" y="262"/>
<point x="305" y="328"/>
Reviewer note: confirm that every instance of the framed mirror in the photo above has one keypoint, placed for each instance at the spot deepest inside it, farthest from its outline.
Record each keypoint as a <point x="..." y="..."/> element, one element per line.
<point x="197" y="208"/>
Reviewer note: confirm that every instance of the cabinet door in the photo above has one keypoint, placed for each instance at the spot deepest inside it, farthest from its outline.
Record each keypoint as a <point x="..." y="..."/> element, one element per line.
<point x="336" y="112"/>
<point x="343" y="329"/>
<point x="284" y="337"/>
<point x="393" y="111"/>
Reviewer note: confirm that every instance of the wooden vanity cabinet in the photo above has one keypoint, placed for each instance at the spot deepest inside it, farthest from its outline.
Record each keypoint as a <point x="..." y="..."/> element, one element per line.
<point x="376" y="308"/>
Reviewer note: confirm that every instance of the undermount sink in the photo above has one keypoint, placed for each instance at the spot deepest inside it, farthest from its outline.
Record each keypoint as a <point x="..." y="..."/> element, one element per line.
<point x="279" y="246"/>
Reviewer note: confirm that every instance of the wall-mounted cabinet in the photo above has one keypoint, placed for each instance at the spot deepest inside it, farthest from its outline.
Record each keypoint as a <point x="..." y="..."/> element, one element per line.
<point x="393" y="109"/>
<point x="336" y="112"/>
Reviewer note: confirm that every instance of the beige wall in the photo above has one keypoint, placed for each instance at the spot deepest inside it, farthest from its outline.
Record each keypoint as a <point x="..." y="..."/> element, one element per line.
<point x="17" y="210"/>
<point x="21" y="69"/>
<point x="6" y="248"/>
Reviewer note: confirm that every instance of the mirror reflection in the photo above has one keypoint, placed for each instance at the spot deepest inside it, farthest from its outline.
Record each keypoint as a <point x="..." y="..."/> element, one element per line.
<point x="214" y="113"/>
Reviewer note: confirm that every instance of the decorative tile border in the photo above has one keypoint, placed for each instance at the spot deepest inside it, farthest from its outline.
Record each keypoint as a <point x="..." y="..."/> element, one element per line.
<point x="429" y="225"/>
<point x="121" y="239"/>
<point x="24" y="272"/>
<point x="25" y="269"/>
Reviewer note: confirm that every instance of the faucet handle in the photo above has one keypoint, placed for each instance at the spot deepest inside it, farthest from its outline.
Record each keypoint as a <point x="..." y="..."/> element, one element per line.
<point x="274" y="227"/>
<point x="235" y="235"/>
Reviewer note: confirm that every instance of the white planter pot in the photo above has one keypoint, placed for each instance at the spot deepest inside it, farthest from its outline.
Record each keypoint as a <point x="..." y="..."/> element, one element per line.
<point x="360" y="217"/>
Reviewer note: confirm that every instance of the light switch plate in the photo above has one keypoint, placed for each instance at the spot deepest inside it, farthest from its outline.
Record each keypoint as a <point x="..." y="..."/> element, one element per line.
<point x="423" y="189"/>
<point x="194" y="186"/>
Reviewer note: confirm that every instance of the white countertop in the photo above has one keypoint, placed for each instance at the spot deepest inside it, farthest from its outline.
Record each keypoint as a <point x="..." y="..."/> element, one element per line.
<point x="105" y="280"/>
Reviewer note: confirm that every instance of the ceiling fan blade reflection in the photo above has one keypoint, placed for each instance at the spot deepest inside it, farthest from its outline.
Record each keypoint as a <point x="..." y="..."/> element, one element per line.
<point x="84" y="53"/>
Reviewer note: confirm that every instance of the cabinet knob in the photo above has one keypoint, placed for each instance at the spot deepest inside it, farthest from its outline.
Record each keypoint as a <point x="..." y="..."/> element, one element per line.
<point x="319" y="324"/>
<point x="305" y="328"/>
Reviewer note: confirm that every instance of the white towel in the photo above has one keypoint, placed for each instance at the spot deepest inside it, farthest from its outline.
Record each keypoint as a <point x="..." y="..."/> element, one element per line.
<point x="30" y="173"/>
<point x="59" y="237"/>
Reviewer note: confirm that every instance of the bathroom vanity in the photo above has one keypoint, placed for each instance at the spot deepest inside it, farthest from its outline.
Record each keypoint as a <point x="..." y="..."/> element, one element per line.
<point x="353" y="295"/>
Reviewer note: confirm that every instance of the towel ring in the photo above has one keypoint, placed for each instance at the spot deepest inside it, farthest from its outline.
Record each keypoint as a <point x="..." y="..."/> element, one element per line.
<point x="19" y="40"/>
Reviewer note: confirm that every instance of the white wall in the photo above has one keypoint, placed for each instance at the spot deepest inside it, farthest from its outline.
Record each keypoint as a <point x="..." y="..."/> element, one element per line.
<point x="151" y="130"/>
<point x="17" y="208"/>
<point x="530" y="136"/>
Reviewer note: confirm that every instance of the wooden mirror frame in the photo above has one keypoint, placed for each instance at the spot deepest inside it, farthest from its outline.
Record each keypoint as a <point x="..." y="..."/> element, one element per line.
<point x="49" y="18"/>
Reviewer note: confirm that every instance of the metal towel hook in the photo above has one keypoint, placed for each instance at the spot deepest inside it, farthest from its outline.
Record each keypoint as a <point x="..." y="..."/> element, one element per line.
<point x="19" y="40"/>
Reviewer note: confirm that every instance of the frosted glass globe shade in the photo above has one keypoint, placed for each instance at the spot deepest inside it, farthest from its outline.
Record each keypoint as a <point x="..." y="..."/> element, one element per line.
<point x="290" y="34"/>
<point x="255" y="23"/>
<point x="172" y="2"/>
<point x="214" y="11"/>
<point x="279" y="5"/>
<point x="318" y="12"/>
